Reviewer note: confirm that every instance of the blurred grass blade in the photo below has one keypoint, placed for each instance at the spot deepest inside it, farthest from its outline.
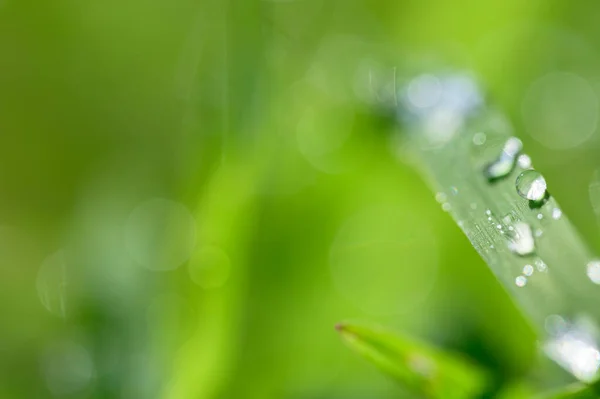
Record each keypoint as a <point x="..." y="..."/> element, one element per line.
<point x="419" y="367"/>
<point x="463" y="148"/>
<point x="574" y="391"/>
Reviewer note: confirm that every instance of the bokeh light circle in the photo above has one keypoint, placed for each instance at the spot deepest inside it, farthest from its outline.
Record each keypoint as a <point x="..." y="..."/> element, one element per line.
<point x="209" y="267"/>
<point x="560" y="110"/>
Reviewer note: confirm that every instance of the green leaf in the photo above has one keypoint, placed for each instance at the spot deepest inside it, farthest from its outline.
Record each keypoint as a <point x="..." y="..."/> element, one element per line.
<point x="420" y="367"/>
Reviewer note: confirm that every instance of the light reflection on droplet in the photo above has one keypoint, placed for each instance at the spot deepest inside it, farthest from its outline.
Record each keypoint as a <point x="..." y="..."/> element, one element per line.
<point x="527" y="270"/>
<point x="556" y="213"/>
<point x="52" y="282"/>
<point x="67" y="368"/>
<point x="574" y="348"/>
<point x="521" y="281"/>
<point x="209" y="267"/>
<point x="504" y="164"/>
<point x="531" y="185"/>
<point x="540" y="265"/>
<point x="593" y="271"/>
<point x="560" y="110"/>
<point x="160" y="234"/>
<point x="522" y="242"/>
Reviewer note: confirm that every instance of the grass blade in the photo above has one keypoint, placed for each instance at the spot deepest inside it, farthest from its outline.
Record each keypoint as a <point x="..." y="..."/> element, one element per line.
<point x="419" y="367"/>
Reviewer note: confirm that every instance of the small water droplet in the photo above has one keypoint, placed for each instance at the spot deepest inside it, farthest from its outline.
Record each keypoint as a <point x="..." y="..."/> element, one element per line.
<point x="531" y="185"/>
<point x="488" y="212"/>
<point x="540" y="216"/>
<point x="540" y="265"/>
<point x="510" y="228"/>
<point x="440" y="197"/>
<point x="593" y="271"/>
<point x="479" y="138"/>
<point x="556" y="213"/>
<point x="521" y="281"/>
<point x="527" y="270"/>
<point x="538" y="232"/>
<point x="446" y="207"/>
<point x="524" y="161"/>
<point x="522" y="242"/>
<point x="499" y="226"/>
<point x="454" y="190"/>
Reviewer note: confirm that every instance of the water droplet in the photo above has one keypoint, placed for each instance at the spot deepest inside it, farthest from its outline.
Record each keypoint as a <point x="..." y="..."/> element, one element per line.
<point x="573" y="346"/>
<point x="522" y="242"/>
<point x="556" y="213"/>
<point x="499" y="226"/>
<point x="521" y="281"/>
<point x="488" y="212"/>
<point x="593" y="271"/>
<point x="538" y="232"/>
<point x="454" y="190"/>
<point x="479" y="138"/>
<point x="540" y="265"/>
<point x="528" y="270"/>
<point x="505" y="162"/>
<point x="540" y="216"/>
<point x="531" y="185"/>
<point x="441" y="197"/>
<point x="446" y="207"/>
<point x="524" y="161"/>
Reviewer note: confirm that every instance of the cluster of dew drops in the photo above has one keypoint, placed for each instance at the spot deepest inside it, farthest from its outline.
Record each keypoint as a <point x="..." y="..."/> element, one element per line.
<point x="530" y="185"/>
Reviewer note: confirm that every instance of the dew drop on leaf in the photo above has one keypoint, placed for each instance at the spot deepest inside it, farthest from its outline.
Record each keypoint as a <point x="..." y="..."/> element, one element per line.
<point x="531" y="185"/>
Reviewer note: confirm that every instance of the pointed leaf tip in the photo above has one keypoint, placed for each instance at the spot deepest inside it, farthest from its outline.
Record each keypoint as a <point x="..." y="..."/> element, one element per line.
<point x="422" y="368"/>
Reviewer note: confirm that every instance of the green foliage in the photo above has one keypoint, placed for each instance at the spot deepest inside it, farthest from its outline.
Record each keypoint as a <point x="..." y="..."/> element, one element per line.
<point x="421" y="368"/>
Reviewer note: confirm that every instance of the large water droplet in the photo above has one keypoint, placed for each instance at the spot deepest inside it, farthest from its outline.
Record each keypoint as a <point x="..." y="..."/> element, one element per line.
<point x="522" y="242"/>
<point x="531" y="185"/>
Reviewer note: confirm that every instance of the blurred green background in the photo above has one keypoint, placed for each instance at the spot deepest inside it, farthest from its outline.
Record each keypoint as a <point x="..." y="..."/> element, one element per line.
<point x="193" y="193"/>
